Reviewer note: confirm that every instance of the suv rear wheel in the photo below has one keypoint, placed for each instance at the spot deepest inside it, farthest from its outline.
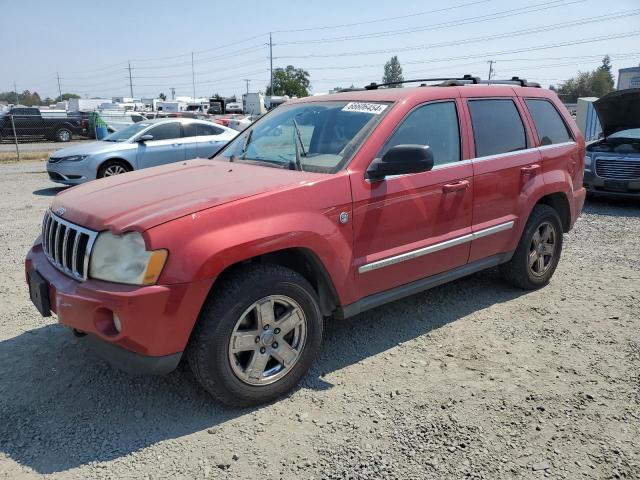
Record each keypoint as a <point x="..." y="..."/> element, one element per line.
<point x="257" y="335"/>
<point x="538" y="252"/>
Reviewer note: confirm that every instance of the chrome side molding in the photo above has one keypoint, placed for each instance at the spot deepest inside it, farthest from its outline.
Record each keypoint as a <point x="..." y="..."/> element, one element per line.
<point x="436" y="247"/>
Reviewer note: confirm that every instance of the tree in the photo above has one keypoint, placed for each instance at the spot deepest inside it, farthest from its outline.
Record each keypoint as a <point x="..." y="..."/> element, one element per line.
<point x="162" y="96"/>
<point x="290" y="81"/>
<point x="393" y="72"/>
<point x="66" y="96"/>
<point x="596" y="83"/>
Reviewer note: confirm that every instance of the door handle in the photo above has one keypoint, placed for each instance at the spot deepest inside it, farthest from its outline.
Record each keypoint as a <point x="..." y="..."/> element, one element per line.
<point x="530" y="170"/>
<point x="456" y="186"/>
<point x="175" y="145"/>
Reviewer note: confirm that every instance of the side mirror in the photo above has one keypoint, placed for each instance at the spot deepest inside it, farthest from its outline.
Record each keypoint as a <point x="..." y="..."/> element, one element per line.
<point x="144" y="138"/>
<point x="401" y="160"/>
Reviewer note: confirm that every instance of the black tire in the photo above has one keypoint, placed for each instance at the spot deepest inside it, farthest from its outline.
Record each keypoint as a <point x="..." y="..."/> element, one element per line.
<point x="109" y="165"/>
<point x="209" y="346"/>
<point x="63" y="135"/>
<point x="518" y="270"/>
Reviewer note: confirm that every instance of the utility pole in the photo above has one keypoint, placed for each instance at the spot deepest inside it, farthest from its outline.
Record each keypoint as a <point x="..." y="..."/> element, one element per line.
<point x="247" y="80"/>
<point x="173" y="93"/>
<point x="59" y="89"/>
<point x="271" y="62"/>
<point x="193" y="78"/>
<point x="490" y="62"/>
<point x="15" y="90"/>
<point x="130" y="82"/>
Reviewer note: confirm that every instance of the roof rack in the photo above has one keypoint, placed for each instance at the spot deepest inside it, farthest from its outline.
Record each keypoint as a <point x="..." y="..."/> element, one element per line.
<point x="447" y="81"/>
<point x="512" y="81"/>
<point x="450" y="82"/>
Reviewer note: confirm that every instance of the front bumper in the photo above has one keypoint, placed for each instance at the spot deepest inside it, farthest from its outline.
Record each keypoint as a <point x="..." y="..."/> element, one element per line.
<point x="611" y="188"/>
<point x="156" y="320"/>
<point x="69" y="173"/>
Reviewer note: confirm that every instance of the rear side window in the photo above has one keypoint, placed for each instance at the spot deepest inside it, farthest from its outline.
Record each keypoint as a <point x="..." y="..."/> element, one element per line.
<point x="166" y="131"/>
<point x="434" y="124"/>
<point x="497" y="127"/>
<point x="204" y="130"/>
<point x="549" y="125"/>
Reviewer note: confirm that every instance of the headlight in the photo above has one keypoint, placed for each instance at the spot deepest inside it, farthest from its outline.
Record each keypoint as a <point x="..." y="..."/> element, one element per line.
<point x="587" y="161"/>
<point x="125" y="259"/>
<point x="74" y="158"/>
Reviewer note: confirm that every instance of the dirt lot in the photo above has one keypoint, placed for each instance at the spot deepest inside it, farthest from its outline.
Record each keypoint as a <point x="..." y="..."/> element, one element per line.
<point x="471" y="379"/>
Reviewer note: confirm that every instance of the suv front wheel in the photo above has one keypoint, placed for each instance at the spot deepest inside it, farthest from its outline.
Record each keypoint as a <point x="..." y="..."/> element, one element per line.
<point x="538" y="252"/>
<point x="257" y="335"/>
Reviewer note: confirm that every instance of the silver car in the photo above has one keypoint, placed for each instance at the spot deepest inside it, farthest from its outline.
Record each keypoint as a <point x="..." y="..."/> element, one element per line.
<point x="144" y="144"/>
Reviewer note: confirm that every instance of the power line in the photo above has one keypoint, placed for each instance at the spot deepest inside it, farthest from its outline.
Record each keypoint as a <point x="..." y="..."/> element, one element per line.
<point x="436" y="26"/>
<point x="515" y="33"/>
<point x="378" y="20"/>
<point x="491" y="54"/>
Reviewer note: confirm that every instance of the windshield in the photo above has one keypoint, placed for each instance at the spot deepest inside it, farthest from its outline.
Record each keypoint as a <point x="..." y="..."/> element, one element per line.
<point x="314" y="136"/>
<point x="127" y="132"/>
<point x="630" y="133"/>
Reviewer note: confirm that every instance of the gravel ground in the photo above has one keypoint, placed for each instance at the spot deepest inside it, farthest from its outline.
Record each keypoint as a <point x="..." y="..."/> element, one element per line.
<point x="470" y="380"/>
<point x="41" y="146"/>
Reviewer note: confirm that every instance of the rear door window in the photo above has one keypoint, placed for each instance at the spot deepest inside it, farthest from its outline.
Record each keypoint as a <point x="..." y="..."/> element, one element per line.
<point x="549" y="125"/>
<point x="497" y="127"/>
<point x="205" y="130"/>
<point x="433" y="124"/>
<point x="166" y="131"/>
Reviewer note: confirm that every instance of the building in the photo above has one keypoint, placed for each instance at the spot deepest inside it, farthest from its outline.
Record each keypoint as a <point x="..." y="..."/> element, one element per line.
<point x="628" y="78"/>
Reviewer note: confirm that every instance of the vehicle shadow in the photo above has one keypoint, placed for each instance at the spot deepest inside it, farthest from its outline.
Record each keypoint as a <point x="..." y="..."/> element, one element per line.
<point x="49" y="191"/>
<point x="612" y="207"/>
<point x="61" y="408"/>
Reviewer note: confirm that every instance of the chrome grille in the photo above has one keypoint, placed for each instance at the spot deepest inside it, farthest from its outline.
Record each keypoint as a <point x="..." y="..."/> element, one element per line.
<point x="67" y="246"/>
<point x="618" y="169"/>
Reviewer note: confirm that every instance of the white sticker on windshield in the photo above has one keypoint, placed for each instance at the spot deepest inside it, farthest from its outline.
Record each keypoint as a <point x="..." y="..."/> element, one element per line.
<point x="375" y="108"/>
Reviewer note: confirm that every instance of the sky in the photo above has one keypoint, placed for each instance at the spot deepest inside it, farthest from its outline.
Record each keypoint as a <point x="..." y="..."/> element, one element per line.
<point x="91" y="44"/>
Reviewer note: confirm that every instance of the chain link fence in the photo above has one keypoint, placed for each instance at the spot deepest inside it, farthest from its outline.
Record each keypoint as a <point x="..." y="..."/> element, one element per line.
<point x="27" y="132"/>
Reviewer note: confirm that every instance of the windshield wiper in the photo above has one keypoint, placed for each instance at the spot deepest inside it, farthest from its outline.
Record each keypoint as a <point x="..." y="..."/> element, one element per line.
<point x="247" y="140"/>
<point x="299" y="139"/>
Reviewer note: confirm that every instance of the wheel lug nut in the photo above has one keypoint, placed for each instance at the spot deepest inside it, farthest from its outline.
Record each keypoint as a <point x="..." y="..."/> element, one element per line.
<point x="266" y="327"/>
<point x="257" y="339"/>
<point x="276" y="331"/>
<point x="262" y="349"/>
<point x="274" y="345"/>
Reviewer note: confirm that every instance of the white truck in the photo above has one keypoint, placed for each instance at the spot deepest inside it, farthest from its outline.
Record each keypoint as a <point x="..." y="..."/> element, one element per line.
<point x="253" y="104"/>
<point x="86" y="104"/>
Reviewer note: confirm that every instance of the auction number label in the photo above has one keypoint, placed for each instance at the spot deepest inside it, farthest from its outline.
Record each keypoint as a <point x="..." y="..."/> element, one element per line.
<point x="363" y="107"/>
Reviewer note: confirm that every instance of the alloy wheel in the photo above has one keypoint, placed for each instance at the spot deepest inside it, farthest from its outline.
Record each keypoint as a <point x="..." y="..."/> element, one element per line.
<point x="542" y="249"/>
<point x="112" y="170"/>
<point x="267" y="340"/>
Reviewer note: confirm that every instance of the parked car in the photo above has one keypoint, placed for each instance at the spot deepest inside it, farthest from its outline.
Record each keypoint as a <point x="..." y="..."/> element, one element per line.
<point x="240" y="123"/>
<point x="119" y="120"/>
<point x="29" y="124"/>
<point x="148" y="143"/>
<point x="327" y="206"/>
<point x="612" y="165"/>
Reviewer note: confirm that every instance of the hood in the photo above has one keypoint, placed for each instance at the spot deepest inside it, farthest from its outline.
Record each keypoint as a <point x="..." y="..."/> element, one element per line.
<point x="619" y="110"/>
<point x="92" y="148"/>
<point x="145" y="198"/>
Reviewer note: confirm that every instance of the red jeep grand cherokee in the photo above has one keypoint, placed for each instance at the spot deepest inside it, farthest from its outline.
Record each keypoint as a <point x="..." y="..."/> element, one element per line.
<point x="327" y="206"/>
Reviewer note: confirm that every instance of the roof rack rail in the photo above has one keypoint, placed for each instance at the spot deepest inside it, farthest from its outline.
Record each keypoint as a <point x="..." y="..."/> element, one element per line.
<point x="351" y="89"/>
<point x="512" y="81"/>
<point x="446" y="81"/>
